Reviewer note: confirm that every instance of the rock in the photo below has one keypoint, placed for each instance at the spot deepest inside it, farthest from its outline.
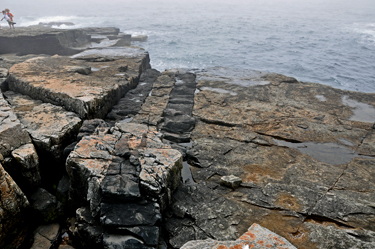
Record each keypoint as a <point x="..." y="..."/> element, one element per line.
<point x="295" y="168"/>
<point x="122" y="242"/>
<point x="141" y="38"/>
<point x="89" y="231"/>
<point x="4" y="79"/>
<point x="12" y="135"/>
<point x="13" y="212"/>
<point x="138" y="214"/>
<point x="42" y="40"/>
<point x="46" y="205"/>
<point x="51" y="127"/>
<point x="255" y="237"/>
<point x="90" y="96"/>
<point x="231" y="181"/>
<point x="85" y="70"/>
<point x="132" y="102"/>
<point x="28" y="161"/>
<point x="123" y="40"/>
<point x="149" y="235"/>
<point x="46" y="236"/>
<point x="62" y="191"/>
<point x="88" y="127"/>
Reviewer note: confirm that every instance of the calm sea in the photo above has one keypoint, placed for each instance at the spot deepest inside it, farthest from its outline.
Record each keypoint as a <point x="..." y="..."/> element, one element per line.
<point x="329" y="42"/>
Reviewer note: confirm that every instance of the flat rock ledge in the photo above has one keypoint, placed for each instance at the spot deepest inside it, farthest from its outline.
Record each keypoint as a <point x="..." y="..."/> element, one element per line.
<point x="256" y="237"/>
<point x="88" y="85"/>
<point x="126" y="167"/>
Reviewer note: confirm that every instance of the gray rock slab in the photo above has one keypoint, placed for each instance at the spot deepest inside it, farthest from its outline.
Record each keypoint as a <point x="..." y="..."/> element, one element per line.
<point x="90" y="96"/>
<point x="51" y="127"/>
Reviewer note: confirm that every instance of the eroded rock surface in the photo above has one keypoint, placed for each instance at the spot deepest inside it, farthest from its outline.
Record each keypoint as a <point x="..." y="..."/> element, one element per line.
<point x="88" y="85"/>
<point x="298" y="148"/>
<point x="125" y="167"/>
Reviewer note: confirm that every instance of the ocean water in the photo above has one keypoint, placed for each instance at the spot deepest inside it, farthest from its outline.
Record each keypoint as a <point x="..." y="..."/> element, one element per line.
<point x="329" y="42"/>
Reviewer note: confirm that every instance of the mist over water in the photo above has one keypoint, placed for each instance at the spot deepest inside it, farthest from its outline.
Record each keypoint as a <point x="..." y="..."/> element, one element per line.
<point x="329" y="42"/>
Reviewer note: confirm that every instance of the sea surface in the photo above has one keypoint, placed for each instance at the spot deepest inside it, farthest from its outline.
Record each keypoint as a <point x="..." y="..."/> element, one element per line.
<point x="329" y="42"/>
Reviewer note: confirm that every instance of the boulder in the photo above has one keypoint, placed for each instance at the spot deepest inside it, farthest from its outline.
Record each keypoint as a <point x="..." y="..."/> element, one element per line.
<point x="42" y="40"/>
<point x="231" y="181"/>
<point x="13" y="212"/>
<point x="63" y="81"/>
<point x="256" y="237"/>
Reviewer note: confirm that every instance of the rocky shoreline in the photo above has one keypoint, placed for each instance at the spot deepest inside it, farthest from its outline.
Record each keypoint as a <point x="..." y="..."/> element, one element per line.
<point x="99" y="150"/>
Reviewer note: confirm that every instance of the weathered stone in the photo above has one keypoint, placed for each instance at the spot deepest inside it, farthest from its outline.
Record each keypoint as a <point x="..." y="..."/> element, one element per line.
<point x="46" y="205"/>
<point x="27" y="157"/>
<point x="113" y="215"/>
<point x="13" y="211"/>
<point x="89" y="232"/>
<point x="51" y="127"/>
<point x="12" y="135"/>
<point x="231" y="181"/>
<point x="90" y="95"/>
<point x="46" y="236"/>
<point x="42" y="40"/>
<point x="148" y="234"/>
<point x="297" y="147"/>
<point x="88" y="127"/>
<point x="62" y="191"/>
<point x="256" y="237"/>
<point x="131" y="103"/>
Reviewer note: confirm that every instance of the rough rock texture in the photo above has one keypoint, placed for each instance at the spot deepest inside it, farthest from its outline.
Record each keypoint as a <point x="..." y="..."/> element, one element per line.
<point x="46" y="236"/>
<point x="13" y="210"/>
<point x="256" y="237"/>
<point x="46" y="205"/>
<point x="4" y="73"/>
<point x="301" y="150"/>
<point x="58" y="80"/>
<point x="28" y="164"/>
<point x="12" y="135"/>
<point x="42" y="40"/>
<point x="50" y="127"/>
<point x="125" y="167"/>
<point x="131" y="103"/>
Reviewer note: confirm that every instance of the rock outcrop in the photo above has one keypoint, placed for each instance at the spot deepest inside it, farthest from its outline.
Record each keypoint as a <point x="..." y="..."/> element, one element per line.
<point x="42" y="40"/>
<point x="87" y="85"/>
<point x="126" y="167"/>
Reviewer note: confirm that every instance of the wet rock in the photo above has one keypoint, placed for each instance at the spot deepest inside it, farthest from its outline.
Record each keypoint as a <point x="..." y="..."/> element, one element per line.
<point x="137" y="214"/>
<point x="131" y="103"/>
<point x="46" y="236"/>
<point x="255" y="237"/>
<point x="43" y="40"/>
<point x="14" y="206"/>
<point x="46" y="205"/>
<point x="260" y="127"/>
<point x="149" y="235"/>
<point x="231" y="181"/>
<point x="90" y="96"/>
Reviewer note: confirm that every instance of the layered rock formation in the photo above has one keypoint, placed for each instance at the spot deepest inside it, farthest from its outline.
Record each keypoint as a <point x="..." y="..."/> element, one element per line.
<point x="296" y="158"/>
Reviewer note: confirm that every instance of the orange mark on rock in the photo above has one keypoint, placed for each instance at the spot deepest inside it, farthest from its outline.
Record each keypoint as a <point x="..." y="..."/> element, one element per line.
<point x="260" y="242"/>
<point x="222" y="247"/>
<point x="287" y="201"/>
